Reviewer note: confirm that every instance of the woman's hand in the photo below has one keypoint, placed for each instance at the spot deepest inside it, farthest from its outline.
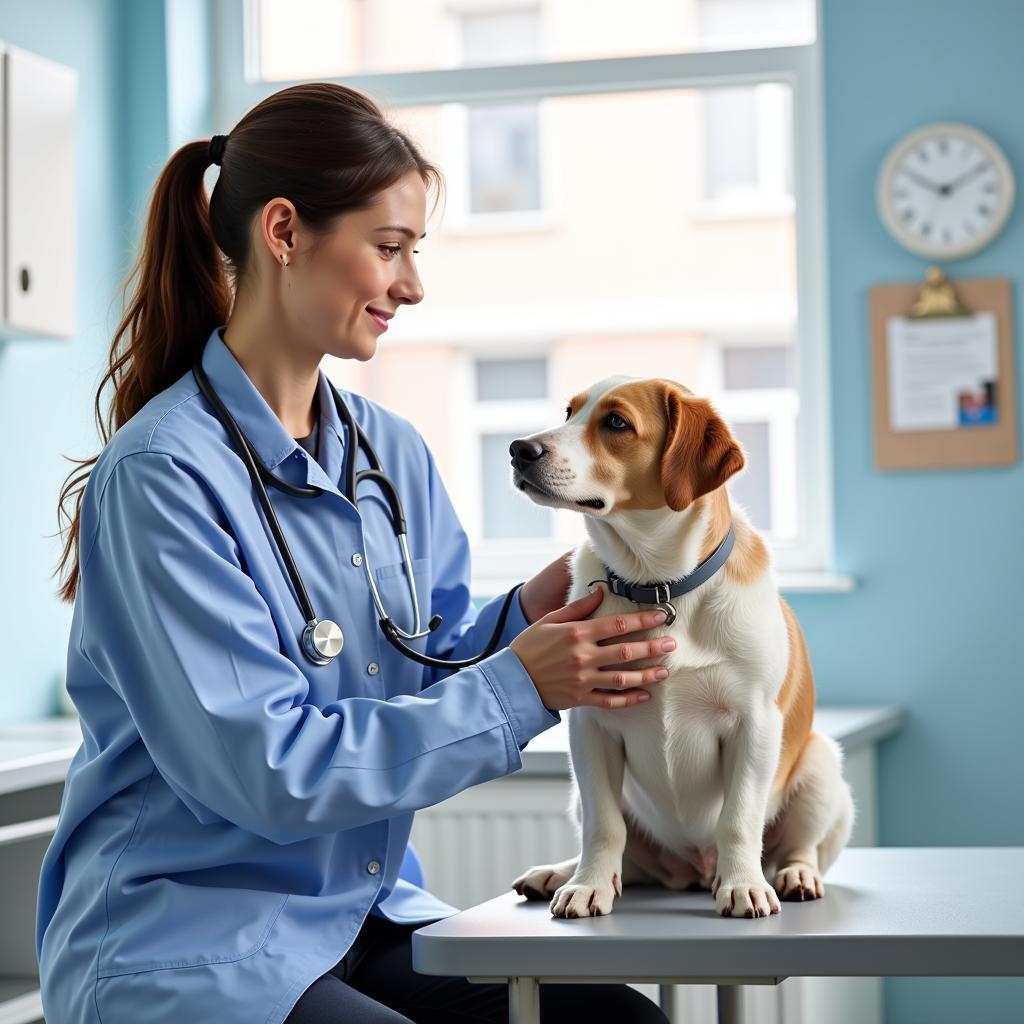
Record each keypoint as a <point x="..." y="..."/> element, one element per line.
<point x="547" y="591"/>
<point x="574" y="663"/>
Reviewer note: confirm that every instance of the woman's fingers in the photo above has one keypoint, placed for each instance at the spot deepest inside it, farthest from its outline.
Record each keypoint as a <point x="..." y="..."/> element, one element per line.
<point x="614" y="626"/>
<point x="633" y="650"/>
<point x="625" y="699"/>
<point x="621" y="679"/>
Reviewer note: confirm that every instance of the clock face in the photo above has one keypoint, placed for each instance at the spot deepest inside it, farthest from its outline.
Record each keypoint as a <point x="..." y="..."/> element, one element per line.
<point x="945" y="190"/>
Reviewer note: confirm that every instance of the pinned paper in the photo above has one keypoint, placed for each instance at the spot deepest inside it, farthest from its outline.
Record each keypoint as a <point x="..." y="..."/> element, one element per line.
<point x="942" y="372"/>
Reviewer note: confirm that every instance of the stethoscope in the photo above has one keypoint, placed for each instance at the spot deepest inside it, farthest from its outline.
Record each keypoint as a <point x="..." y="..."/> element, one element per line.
<point x="322" y="639"/>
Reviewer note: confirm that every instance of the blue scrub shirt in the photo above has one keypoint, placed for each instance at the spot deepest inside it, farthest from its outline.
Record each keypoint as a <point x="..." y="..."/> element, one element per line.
<point x="234" y="811"/>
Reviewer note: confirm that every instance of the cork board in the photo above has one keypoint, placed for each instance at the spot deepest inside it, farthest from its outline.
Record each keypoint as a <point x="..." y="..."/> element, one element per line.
<point x="983" y="444"/>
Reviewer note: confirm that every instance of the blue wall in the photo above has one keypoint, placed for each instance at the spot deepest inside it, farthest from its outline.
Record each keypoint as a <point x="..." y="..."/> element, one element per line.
<point x="143" y="79"/>
<point x="47" y="387"/>
<point x="932" y="624"/>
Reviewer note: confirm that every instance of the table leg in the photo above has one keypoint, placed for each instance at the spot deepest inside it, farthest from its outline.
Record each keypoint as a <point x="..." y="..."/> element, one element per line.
<point x="667" y="1002"/>
<point x="730" y="1004"/>
<point x="523" y="1001"/>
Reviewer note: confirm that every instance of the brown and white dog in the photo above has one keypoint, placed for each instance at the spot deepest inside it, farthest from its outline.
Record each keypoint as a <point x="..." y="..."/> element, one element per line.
<point x="719" y="778"/>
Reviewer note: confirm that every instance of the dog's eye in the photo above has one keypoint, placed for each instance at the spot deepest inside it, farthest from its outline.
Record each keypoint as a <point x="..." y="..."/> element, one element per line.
<point x="621" y="424"/>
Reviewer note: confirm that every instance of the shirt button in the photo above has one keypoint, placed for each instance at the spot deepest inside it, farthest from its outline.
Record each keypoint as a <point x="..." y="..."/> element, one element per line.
<point x="373" y="668"/>
<point x="373" y="867"/>
<point x="357" y="559"/>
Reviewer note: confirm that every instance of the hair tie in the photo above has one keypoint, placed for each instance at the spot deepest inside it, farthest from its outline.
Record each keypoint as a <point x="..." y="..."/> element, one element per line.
<point x="217" y="144"/>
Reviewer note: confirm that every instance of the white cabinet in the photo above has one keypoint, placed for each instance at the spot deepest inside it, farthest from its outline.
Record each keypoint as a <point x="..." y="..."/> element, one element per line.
<point x="38" y="231"/>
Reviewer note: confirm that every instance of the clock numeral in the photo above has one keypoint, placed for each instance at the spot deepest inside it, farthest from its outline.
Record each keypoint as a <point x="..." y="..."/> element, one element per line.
<point x="922" y="155"/>
<point x="983" y="210"/>
<point x="969" y="228"/>
<point x="908" y="215"/>
<point x="926" y="228"/>
<point x="946" y="236"/>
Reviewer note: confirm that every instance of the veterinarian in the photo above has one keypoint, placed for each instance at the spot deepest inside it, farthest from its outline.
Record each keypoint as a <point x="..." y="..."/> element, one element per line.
<point x="261" y="706"/>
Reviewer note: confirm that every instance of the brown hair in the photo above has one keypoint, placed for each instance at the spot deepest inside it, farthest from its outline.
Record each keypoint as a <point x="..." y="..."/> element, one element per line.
<point x="326" y="147"/>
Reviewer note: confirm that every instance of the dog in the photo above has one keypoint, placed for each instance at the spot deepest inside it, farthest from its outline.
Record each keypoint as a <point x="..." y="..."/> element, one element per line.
<point x="719" y="781"/>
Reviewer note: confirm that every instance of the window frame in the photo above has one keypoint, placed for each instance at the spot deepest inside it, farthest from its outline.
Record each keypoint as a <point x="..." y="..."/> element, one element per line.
<point x="807" y="565"/>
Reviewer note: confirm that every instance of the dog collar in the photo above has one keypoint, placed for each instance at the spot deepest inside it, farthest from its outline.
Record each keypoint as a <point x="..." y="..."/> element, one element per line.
<point x="660" y="592"/>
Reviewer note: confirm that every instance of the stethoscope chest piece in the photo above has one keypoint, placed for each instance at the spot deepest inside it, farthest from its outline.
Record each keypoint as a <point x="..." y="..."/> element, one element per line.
<point x="322" y="641"/>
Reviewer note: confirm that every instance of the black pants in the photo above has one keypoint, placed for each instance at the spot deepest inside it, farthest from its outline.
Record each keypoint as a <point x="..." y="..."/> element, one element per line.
<point x="374" y="983"/>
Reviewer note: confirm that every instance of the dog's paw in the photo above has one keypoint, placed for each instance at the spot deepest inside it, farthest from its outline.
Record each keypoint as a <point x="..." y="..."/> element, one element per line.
<point x="798" y="881"/>
<point x="741" y="898"/>
<point x="585" y="899"/>
<point x="541" y="881"/>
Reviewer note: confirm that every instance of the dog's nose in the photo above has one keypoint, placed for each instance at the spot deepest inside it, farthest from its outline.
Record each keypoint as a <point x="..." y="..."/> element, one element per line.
<point x="525" y="452"/>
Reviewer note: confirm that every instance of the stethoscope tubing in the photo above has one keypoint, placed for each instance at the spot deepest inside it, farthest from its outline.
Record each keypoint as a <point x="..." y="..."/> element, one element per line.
<point x="260" y="473"/>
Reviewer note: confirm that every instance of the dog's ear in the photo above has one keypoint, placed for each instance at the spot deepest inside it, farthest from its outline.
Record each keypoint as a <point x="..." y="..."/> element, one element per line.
<point x="700" y="451"/>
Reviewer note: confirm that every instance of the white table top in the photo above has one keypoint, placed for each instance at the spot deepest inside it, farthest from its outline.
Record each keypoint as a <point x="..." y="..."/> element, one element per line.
<point x="887" y="911"/>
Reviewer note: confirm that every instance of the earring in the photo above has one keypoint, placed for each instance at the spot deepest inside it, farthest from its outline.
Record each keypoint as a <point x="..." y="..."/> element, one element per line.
<point x="284" y="260"/>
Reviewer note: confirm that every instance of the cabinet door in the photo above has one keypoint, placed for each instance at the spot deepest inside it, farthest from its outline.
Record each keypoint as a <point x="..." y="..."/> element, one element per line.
<point x="41" y="236"/>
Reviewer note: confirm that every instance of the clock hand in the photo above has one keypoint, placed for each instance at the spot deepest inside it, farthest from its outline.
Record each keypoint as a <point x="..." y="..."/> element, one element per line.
<point x="921" y="180"/>
<point x="966" y="176"/>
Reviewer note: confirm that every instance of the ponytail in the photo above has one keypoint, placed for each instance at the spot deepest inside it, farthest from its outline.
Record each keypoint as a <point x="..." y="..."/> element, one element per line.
<point x="326" y="147"/>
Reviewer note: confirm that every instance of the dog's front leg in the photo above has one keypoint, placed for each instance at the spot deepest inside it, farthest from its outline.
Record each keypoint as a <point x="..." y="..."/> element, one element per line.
<point x="598" y="760"/>
<point x="750" y="757"/>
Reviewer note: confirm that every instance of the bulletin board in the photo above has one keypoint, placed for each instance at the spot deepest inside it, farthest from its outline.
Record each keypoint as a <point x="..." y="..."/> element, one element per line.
<point x="916" y="356"/>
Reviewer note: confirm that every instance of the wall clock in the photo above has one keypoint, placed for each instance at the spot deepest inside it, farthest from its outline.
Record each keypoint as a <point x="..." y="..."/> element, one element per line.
<point x="945" y="190"/>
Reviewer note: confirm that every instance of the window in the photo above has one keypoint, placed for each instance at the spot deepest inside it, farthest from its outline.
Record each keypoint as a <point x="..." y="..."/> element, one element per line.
<point x="638" y="196"/>
<point x="753" y="487"/>
<point x="754" y="388"/>
<point x="748" y="129"/>
<point x="738" y="24"/>
<point x="758" y="366"/>
<point x="500" y="36"/>
<point x="501" y="154"/>
<point x="503" y="158"/>
<point x="748" y="150"/>
<point x="511" y="382"/>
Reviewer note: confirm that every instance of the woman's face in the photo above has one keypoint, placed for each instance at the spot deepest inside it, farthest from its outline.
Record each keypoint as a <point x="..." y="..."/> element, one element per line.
<point x="366" y="261"/>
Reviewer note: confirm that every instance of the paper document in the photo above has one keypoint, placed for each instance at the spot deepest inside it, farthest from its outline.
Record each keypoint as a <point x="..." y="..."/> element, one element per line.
<point x="942" y="372"/>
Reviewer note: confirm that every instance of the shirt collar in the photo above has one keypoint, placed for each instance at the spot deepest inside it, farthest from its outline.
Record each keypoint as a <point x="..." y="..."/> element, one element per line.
<point x="265" y="432"/>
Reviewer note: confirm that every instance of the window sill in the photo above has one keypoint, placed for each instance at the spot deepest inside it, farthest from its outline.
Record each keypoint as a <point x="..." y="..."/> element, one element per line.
<point x="815" y="582"/>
